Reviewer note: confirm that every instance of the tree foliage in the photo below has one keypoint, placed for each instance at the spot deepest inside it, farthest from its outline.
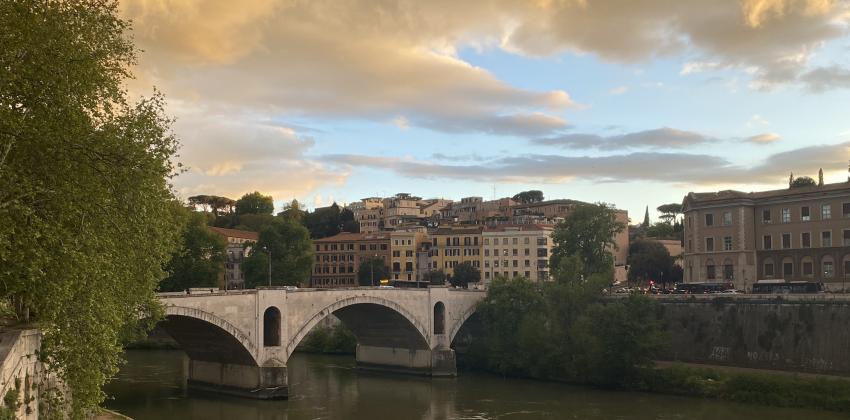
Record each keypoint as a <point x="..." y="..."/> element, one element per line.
<point x="324" y="221"/>
<point x="371" y="272"/>
<point x="565" y="331"/>
<point x="531" y="196"/>
<point x="669" y="212"/>
<point x="435" y="277"/>
<point x="291" y="256"/>
<point x="293" y="211"/>
<point x="589" y="234"/>
<point x="255" y="203"/>
<point x="200" y="260"/>
<point x="216" y="204"/>
<point x="649" y="260"/>
<point x="803" y="181"/>
<point x="465" y="273"/>
<point x="87" y="218"/>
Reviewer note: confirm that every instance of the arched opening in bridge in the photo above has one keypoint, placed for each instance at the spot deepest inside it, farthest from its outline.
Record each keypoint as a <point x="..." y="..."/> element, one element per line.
<point x="439" y="318"/>
<point x="271" y="327"/>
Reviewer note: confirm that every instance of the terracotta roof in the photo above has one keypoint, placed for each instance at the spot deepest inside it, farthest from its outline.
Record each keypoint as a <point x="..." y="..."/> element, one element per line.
<point x="732" y="194"/>
<point x="457" y="230"/>
<point x="349" y="236"/>
<point x="235" y="233"/>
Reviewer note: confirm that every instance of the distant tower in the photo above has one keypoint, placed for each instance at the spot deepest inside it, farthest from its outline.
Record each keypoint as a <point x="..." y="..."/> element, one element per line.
<point x="791" y="180"/>
<point x="820" y="177"/>
<point x="646" y="218"/>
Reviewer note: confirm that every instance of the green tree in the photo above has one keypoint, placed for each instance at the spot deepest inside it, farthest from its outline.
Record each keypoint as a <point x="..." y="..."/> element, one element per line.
<point x="323" y="221"/>
<point x="254" y="222"/>
<point x="589" y="234"/>
<point x="255" y="203"/>
<point x="435" y="277"/>
<point x="200" y="260"/>
<point x="372" y="271"/>
<point x="293" y="211"/>
<point x="291" y="256"/>
<point x="465" y="273"/>
<point x="803" y="181"/>
<point x="661" y="230"/>
<point x="669" y="212"/>
<point x="87" y="218"/>
<point x="531" y="196"/>
<point x="347" y="222"/>
<point x="649" y="260"/>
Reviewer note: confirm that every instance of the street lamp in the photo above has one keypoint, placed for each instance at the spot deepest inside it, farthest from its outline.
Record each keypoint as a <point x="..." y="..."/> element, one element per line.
<point x="372" y="269"/>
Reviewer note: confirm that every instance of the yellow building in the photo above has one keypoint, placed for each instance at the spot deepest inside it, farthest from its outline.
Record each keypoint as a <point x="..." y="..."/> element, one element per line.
<point x="453" y="245"/>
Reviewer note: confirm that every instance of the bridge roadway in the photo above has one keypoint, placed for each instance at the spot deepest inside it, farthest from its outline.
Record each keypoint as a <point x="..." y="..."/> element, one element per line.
<point x="238" y="342"/>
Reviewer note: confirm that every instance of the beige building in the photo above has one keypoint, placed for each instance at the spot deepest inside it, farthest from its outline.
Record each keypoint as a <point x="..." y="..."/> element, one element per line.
<point x="517" y="250"/>
<point x="674" y="247"/>
<point x="239" y="243"/>
<point x="403" y="246"/>
<point x="795" y="234"/>
<point x="453" y="245"/>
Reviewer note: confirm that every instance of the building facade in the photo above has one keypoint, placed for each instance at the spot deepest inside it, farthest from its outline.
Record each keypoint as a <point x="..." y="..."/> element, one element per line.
<point x="239" y="244"/>
<point x="517" y="250"/>
<point x="338" y="257"/>
<point x="795" y="234"/>
<point x="453" y="245"/>
<point x="403" y="246"/>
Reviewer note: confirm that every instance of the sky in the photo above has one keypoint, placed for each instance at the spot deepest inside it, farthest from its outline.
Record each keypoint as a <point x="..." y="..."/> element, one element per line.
<point x="633" y="103"/>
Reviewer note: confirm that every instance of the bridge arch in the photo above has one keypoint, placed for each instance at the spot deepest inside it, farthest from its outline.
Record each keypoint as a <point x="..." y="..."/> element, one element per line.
<point x="205" y="336"/>
<point x="460" y="322"/>
<point x="342" y="308"/>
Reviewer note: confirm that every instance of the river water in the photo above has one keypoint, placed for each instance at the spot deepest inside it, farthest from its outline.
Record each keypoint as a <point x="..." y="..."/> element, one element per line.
<point x="152" y="386"/>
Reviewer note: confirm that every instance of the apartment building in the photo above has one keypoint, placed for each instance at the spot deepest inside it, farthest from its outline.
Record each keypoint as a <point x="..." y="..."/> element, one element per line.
<point x="403" y="246"/>
<point x="453" y="245"/>
<point x="474" y="210"/>
<point x="517" y="250"/>
<point x="368" y="213"/>
<point x="794" y="234"/>
<point x="239" y="243"/>
<point x="562" y="209"/>
<point x="338" y="257"/>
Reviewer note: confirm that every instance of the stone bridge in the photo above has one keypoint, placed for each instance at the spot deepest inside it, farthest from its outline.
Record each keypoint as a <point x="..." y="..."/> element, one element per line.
<point x="238" y="342"/>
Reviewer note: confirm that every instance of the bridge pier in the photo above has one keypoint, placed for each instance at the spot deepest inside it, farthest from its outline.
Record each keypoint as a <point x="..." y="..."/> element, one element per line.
<point x="258" y="382"/>
<point x="437" y="362"/>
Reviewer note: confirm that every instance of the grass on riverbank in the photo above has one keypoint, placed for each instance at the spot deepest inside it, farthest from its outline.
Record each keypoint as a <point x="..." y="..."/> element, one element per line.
<point x="754" y="388"/>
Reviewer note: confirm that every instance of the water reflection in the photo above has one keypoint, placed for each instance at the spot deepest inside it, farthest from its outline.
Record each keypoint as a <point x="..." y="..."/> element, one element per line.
<point x="152" y="386"/>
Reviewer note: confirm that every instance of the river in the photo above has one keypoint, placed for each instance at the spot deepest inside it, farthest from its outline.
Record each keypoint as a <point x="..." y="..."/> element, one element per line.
<point x="152" y="386"/>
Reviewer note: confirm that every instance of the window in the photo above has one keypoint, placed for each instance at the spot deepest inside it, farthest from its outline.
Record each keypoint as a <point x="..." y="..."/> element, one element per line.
<point x="709" y="244"/>
<point x="765" y="216"/>
<point x="845" y="209"/>
<point x="804" y="214"/>
<point x="727" y="218"/>
<point x="271" y="327"/>
<point x="709" y="272"/>
<point x="786" y="215"/>
<point x="728" y="271"/>
<point x="709" y="219"/>
<point x="846" y="268"/>
<point x="806" y="240"/>
<point x="486" y="241"/>
<point x="408" y="266"/>
<point x="828" y="270"/>
<point x="808" y="270"/>
<point x="768" y="269"/>
<point x="786" y="240"/>
<point x="727" y="243"/>
<point x="788" y="269"/>
<point x="826" y="238"/>
<point x="846" y="237"/>
<point x="767" y="242"/>
<point x="542" y="252"/>
<point x="826" y="212"/>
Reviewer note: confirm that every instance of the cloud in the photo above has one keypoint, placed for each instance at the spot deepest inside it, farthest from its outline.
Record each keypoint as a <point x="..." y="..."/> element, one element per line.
<point x="619" y="90"/>
<point x="234" y="154"/>
<point x="674" y="168"/>
<point x="764" y="138"/>
<point x="823" y="79"/>
<point x="757" y="121"/>
<point x="661" y="138"/>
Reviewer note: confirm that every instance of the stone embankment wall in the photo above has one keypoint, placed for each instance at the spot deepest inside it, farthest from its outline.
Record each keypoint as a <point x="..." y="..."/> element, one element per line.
<point x="799" y="333"/>
<point x="21" y="373"/>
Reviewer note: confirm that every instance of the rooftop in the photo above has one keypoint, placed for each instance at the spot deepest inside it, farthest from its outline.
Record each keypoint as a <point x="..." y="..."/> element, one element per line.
<point x="785" y="192"/>
<point x="235" y="233"/>
<point x="349" y="236"/>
